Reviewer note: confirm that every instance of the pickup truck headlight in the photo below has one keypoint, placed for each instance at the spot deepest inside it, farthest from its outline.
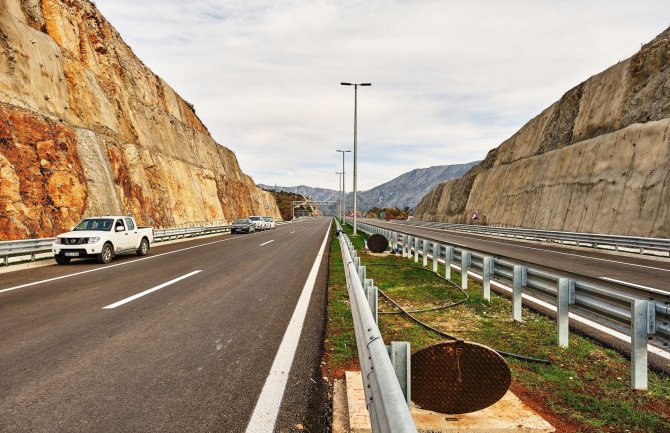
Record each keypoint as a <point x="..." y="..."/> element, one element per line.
<point x="93" y="240"/>
<point x="58" y="241"/>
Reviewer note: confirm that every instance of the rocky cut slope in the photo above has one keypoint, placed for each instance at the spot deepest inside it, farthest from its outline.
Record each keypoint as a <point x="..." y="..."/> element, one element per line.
<point x="597" y="161"/>
<point x="86" y="128"/>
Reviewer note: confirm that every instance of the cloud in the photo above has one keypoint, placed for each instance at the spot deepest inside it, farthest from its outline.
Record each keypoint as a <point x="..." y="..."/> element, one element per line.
<point x="451" y="80"/>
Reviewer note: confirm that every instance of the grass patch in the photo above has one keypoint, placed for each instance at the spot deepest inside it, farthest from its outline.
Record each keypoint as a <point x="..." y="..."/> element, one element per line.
<point x="585" y="389"/>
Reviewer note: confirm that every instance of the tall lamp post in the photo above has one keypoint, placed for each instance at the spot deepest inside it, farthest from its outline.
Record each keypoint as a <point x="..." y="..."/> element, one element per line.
<point x="355" y="144"/>
<point x="344" y="190"/>
<point x="339" y="191"/>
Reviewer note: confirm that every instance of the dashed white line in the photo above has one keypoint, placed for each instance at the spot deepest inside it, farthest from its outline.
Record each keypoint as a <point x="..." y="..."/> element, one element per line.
<point x="292" y="232"/>
<point x="146" y="292"/>
<point x="265" y="243"/>
<point x="103" y="268"/>
<point x="267" y="407"/>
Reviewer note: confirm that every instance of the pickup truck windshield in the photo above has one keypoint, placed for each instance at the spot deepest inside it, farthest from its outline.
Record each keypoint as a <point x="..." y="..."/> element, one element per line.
<point x="97" y="224"/>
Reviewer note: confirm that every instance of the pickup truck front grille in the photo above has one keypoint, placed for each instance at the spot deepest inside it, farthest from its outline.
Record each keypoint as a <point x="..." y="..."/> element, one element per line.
<point x="74" y="241"/>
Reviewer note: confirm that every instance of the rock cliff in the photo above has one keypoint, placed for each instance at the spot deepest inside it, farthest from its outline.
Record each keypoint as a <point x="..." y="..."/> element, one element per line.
<point x="86" y="129"/>
<point x="598" y="160"/>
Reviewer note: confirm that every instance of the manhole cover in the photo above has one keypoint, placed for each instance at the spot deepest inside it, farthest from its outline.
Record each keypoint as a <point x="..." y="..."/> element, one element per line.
<point x="458" y="377"/>
<point x="378" y="243"/>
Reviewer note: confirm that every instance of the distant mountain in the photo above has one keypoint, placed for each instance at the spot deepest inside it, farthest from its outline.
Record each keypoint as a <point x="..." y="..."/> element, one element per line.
<point x="404" y="191"/>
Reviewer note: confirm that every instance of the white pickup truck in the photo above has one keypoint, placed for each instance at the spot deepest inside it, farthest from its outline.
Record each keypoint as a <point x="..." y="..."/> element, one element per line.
<point x="102" y="238"/>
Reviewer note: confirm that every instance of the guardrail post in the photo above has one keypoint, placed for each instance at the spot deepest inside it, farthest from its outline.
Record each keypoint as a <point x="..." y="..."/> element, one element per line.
<point x="426" y="244"/>
<point x="371" y="293"/>
<point x="487" y="270"/>
<point x="401" y="355"/>
<point x="516" y="292"/>
<point x="6" y="260"/>
<point x="466" y="259"/>
<point x="436" y="255"/>
<point x="562" y="311"/>
<point x="416" y="250"/>
<point x="408" y="244"/>
<point x="448" y="258"/>
<point x="361" y="272"/>
<point x="639" y="322"/>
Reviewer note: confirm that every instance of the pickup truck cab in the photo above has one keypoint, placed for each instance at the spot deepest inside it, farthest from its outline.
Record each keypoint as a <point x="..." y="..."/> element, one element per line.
<point x="102" y="238"/>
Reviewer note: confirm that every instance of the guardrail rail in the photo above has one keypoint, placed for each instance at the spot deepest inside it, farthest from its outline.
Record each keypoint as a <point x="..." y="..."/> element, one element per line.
<point x="386" y="403"/>
<point x="638" y="317"/>
<point x="641" y="245"/>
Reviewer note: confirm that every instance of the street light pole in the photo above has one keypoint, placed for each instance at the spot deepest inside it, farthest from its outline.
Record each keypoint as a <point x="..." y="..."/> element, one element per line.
<point x="344" y="191"/>
<point x="339" y="192"/>
<point x="355" y="143"/>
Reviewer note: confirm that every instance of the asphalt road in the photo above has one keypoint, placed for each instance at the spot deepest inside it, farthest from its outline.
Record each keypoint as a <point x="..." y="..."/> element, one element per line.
<point x="605" y="269"/>
<point x="190" y="356"/>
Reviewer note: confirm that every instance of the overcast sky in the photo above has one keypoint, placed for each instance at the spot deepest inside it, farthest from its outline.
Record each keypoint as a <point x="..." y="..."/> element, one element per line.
<point x="450" y="79"/>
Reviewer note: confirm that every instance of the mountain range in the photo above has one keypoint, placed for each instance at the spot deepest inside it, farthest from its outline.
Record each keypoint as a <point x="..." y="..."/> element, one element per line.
<point x="405" y="190"/>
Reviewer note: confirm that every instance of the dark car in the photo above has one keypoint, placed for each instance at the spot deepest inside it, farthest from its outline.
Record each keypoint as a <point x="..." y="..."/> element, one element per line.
<point x="242" y="226"/>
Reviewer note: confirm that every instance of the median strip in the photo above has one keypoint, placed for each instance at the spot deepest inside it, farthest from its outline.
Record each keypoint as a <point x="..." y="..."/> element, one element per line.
<point x="146" y="292"/>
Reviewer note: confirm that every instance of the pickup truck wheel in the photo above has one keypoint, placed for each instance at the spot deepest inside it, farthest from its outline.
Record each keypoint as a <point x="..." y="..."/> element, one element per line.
<point x="144" y="247"/>
<point x="62" y="260"/>
<point x="106" y="254"/>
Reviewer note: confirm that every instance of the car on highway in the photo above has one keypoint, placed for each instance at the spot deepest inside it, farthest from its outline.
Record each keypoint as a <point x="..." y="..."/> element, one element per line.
<point x="258" y="222"/>
<point x="102" y="238"/>
<point x="269" y="222"/>
<point x="243" y="225"/>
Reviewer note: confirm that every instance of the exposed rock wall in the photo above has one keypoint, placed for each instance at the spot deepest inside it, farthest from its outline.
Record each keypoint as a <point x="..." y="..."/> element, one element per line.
<point x="598" y="160"/>
<point x="86" y="128"/>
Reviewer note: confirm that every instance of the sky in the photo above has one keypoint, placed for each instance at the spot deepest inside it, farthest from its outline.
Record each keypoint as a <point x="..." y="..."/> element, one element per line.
<point x="451" y="79"/>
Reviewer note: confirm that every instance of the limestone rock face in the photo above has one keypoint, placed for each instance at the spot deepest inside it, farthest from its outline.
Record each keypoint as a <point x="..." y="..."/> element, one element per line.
<point x="597" y="161"/>
<point x="87" y="129"/>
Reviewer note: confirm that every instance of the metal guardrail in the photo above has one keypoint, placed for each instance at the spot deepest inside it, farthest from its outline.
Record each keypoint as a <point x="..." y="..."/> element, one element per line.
<point x="640" y="244"/>
<point x="386" y="403"/>
<point x="31" y="248"/>
<point x="639" y="317"/>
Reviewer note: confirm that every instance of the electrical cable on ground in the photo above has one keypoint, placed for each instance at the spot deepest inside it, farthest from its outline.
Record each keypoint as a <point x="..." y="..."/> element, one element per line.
<point x="437" y="331"/>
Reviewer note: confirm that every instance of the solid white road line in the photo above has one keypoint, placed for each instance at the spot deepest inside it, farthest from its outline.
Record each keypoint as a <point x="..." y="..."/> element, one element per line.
<point x="267" y="407"/>
<point x="292" y="232"/>
<point x="146" y="292"/>
<point x="265" y="243"/>
<point x="637" y="286"/>
<point x="103" y="268"/>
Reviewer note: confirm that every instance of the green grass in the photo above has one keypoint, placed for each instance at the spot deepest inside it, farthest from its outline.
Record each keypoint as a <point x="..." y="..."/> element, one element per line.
<point x="586" y="386"/>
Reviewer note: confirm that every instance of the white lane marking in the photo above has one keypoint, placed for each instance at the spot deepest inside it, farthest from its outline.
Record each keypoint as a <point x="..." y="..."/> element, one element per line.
<point x="292" y="232"/>
<point x="582" y="256"/>
<point x="265" y="243"/>
<point x="637" y="286"/>
<point x="153" y="256"/>
<point x="267" y="407"/>
<point x="146" y="292"/>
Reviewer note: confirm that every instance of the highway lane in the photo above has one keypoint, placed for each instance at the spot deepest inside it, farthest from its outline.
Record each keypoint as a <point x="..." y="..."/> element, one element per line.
<point x="595" y="265"/>
<point x="191" y="356"/>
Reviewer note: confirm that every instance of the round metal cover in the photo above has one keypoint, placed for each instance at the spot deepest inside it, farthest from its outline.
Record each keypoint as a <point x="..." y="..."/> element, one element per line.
<point x="378" y="243"/>
<point x="458" y="377"/>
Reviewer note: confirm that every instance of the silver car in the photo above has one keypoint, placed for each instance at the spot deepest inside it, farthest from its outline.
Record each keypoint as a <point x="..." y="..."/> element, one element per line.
<point x="269" y="222"/>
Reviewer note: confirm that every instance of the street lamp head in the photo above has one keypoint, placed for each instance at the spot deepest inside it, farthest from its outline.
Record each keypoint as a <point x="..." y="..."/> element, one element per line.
<point x="346" y="84"/>
<point x="344" y="151"/>
<point x="365" y="84"/>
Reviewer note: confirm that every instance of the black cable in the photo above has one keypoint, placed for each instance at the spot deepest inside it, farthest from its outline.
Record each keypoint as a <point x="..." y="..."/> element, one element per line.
<point x="437" y="331"/>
